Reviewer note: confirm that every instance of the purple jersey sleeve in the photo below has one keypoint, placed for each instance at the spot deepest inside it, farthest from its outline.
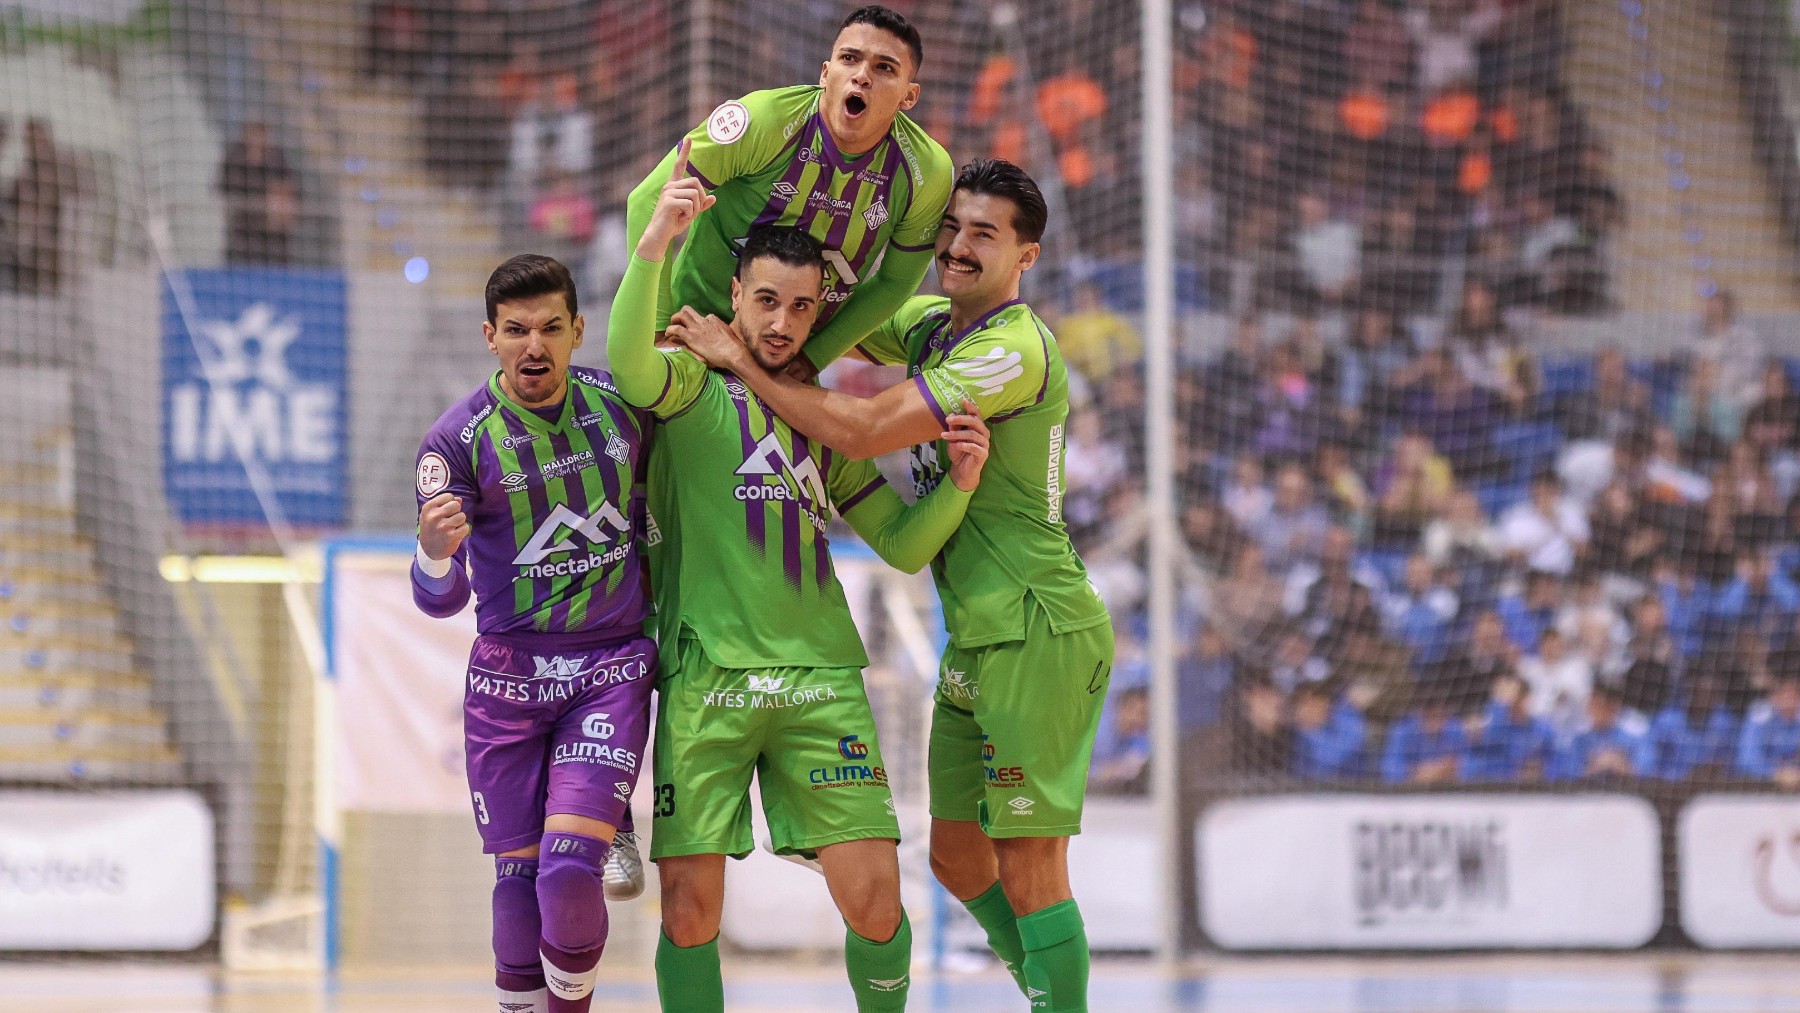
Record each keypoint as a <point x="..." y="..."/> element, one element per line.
<point x="445" y="465"/>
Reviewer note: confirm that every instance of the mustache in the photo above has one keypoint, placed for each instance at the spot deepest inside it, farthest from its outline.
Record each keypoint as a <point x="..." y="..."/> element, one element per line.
<point x="948" y="259"/>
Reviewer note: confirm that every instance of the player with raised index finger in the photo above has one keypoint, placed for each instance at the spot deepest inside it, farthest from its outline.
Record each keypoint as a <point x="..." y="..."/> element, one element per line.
<point x="762" y="670"/>
<point x="1031" y="647"/>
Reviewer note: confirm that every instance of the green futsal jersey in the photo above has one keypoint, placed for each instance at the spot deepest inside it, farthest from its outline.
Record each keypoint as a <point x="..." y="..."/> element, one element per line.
<point x="768" y="159"/>
<point x="1012" y="545"/>
<point x="741" y="503"/>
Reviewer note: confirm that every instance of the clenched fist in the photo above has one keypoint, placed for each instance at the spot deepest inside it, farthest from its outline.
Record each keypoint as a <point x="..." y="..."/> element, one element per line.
<point x="442" y="526"/>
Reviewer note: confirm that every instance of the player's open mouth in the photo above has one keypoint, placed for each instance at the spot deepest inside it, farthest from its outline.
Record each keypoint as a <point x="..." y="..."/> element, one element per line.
<point x="961" y="267"/>
<point x="777" y="344"/>
<point x="855" y="105"/>
<point x="535" y="369"/>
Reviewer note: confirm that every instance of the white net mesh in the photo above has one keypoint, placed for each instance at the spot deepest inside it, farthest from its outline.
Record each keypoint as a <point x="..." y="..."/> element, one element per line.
<point x="1485" y="436"/>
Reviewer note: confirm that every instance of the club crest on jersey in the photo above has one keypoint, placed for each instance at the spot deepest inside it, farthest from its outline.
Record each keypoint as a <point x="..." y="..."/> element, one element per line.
<point x="618" y="449"/>
<point x="876" y="213"/>
<point x="728" y="122"/>
<point x="434" y="474"/>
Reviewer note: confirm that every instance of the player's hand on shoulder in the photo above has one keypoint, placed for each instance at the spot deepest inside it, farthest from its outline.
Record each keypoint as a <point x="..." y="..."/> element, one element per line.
<point x="442" y="526"/>
<point x="968" y="439"/>
<point x="682" y="199"/>
<point x="709" y="338"/>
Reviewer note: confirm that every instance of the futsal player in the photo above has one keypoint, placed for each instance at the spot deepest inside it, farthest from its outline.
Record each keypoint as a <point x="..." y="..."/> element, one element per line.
<point x="529" y="496"/>
<point x="1031" y="646"/>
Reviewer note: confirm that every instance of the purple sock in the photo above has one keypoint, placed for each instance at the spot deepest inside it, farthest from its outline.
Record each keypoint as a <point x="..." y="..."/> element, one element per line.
<point x="572" y="902"/>
<point x="516" y="926"/>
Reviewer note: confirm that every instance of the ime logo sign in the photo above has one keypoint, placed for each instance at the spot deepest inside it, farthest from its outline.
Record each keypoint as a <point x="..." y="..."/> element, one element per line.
<point x="850" y="749"/>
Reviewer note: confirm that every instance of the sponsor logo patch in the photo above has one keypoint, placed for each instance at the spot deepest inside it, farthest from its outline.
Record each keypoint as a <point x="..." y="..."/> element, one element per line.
<point x="728" y="122"/>
<point x="434" y="474"/>
<point x="990" y="373"/>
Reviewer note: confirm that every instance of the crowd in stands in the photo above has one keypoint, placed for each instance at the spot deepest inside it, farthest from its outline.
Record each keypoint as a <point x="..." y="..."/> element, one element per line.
<point x="262" y="200"/>
<point x="42" y="182"/>
<point x="1352" y="148"/>
<point x="1455" y="561"/>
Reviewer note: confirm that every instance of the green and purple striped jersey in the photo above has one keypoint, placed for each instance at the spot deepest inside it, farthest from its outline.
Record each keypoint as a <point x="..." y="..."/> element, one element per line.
<point x="555" y="507"/>
<point x="1012" y="544"/>
<point x="741" y="503"/>
<point x="768" y="158"/>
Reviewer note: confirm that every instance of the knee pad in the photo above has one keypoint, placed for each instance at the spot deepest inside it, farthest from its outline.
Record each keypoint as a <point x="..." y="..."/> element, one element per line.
<point x="516" y="925"/>
<point x="571" y="894"/>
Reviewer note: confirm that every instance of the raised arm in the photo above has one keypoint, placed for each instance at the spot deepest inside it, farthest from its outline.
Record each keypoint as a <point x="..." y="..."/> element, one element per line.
<point x="873" y="301"/>
<point x="644" y="375"/>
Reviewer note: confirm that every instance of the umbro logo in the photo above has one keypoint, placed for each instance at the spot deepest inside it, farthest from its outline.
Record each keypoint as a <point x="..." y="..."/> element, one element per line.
<point x="785" y="191"/>
<point x="1034" y="993"/>
<point x="1022" y="805"/>
<point x="516" y="1007"/>
<point x="514" y="481"/>
<point x="888" y="984"/>
<point x="622" y="790"/>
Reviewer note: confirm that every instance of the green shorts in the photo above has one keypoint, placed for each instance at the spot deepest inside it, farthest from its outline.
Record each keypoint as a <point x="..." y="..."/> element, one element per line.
<point x="1012" y="729"/>
<point x="806" y="733"/>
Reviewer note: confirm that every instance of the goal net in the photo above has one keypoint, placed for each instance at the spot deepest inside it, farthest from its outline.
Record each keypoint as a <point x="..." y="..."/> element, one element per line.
<point x="1480" y="462"/>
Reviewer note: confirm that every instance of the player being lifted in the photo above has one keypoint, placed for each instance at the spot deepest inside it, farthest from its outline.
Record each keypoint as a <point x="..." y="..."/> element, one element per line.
<point x="762" y="664"/>
<point x="528" y="491"/>
<point x="840" y="161"/>
<point x="1031" y="647"/>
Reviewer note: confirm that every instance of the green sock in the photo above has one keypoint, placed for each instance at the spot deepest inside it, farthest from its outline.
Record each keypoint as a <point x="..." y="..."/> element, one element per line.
<point x="994" y="913"/>
<point x="1056" y="958"/>
<point x="879" y="971"/>
<point x="688" y="978"/>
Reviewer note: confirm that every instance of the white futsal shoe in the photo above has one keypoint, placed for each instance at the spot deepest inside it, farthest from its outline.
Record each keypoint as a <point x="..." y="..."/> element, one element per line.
<point x="800" y="860"/>
<point x="624" y="872"/>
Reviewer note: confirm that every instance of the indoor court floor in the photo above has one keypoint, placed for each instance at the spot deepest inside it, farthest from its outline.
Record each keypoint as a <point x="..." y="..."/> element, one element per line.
<point x="1638" y="983"/>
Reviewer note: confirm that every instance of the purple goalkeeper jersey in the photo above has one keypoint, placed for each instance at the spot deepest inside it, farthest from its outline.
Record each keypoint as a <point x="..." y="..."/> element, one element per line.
<point x="556" y="508"/>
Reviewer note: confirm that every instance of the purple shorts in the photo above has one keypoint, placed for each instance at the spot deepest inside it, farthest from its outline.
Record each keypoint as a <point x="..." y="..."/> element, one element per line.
<point x="554" y="733"/>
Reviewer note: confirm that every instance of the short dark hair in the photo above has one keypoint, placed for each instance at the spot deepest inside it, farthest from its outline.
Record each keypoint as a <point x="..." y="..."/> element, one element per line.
<point x="527" y="275"/>
<point x="894" y="23"/>
<point x="784" y="243"/>
<point x="1000" y="178"/>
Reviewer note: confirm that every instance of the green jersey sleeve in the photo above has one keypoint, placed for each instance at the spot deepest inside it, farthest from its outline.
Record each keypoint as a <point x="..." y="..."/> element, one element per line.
<point x="1002" y="369"/>
<point x="933" y="175"/>
<point x="905" y="537"/>
<point x="886" y="344"/>
<point x="740" y="137"/>
<point x="666" y="381"/>
<point x="745" y="135"/>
